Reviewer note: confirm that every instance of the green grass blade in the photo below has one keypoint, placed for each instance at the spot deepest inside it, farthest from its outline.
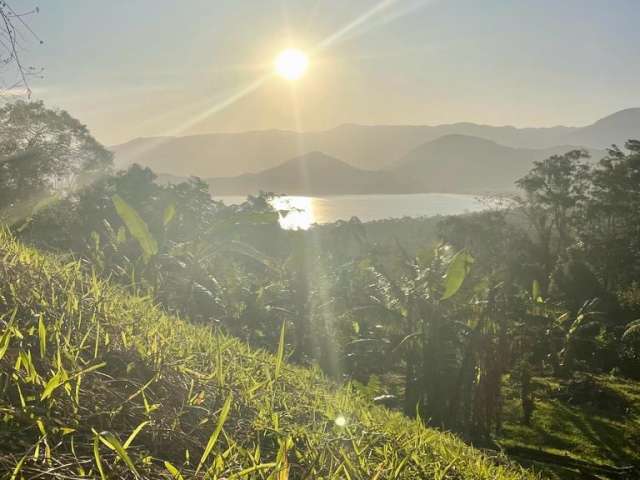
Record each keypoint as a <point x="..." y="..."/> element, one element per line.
<point x="255" y="468"/>
<point x="280" y="353"/>
<point x="111" y="441"/>
<point x="16" y="470"/>
<point x="216" y="433"/>
<point x="42" y="333"/>
<point x="4" y="342"/>
<point x="173" y="471"/>
<point x="135" y="433"/>
<point x="96" y="455"/>
<point x="55" y="381"/>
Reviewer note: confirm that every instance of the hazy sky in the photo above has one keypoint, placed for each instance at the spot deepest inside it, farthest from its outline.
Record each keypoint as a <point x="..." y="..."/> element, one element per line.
<point x="131" y="68"/>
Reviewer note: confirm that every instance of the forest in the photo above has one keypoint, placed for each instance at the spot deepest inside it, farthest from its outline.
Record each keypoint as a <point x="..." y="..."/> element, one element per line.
<point x="484" y="325"/>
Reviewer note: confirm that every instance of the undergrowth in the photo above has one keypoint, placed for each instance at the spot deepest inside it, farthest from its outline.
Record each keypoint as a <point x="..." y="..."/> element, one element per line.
<point x="98" y="384"/>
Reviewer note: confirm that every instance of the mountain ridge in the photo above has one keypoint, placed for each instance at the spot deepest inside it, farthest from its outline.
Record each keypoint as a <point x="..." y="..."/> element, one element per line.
<point x="465" y="164"/>
<point x="365" y="147"/>
<point x="450" y="164"/>
<point x="314" y="173"/>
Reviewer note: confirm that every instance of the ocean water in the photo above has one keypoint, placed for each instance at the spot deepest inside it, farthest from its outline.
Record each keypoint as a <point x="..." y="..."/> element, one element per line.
<point x="305" y="211"/>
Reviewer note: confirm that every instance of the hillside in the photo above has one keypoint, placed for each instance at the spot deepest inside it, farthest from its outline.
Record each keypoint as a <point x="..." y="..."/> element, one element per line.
<point x="450" y="164"/>
<point x="362" y="146"/>
<point x="616" y="128"/>
<point x="100" y="384"/>
<point x="311" y="174"/>
<point x="459" y="163"/>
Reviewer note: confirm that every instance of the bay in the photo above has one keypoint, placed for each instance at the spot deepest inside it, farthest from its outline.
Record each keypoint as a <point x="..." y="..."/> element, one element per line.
<point x="305" y="211"/>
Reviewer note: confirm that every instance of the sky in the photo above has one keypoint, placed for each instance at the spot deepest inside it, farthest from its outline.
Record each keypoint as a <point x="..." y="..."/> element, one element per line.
<point x="131" y="68"/>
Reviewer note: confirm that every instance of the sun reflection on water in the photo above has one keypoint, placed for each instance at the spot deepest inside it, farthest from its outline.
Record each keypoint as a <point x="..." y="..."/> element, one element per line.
<point x="296" y="213"/>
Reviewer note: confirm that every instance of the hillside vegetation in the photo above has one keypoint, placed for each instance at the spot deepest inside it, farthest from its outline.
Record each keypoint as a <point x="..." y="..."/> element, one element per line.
<point x="583" y="427"/>
<point x="98" y="384"/>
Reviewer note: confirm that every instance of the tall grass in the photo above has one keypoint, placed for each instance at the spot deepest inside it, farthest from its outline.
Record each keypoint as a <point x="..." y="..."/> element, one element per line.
<point x="98" y="384"/>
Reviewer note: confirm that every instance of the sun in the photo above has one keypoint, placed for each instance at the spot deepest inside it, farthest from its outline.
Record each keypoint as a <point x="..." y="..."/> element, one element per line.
<point x="291" y="64"/>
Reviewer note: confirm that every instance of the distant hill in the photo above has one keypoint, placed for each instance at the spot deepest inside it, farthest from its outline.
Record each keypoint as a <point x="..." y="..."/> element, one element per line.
<point x="450" y="164"/>
<point x="616" y="128"/>
<point x="364" y="147"/>
<point x="460" y="163"/>
<point x="311" y="174"/>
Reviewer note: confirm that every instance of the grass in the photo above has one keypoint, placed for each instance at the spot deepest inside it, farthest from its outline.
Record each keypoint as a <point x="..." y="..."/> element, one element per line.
<point x="98" y="384"/>
<point x="607" y="435"/>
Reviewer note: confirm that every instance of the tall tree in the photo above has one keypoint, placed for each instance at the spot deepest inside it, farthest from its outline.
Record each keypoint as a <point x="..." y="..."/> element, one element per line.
<point x="612" y="232"/>
<point x="553" y="191"/>
<point x="44" y="151"/>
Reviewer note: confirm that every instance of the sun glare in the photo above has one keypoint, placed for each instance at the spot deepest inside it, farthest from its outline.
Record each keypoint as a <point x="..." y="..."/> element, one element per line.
<point x="291" y="64"/>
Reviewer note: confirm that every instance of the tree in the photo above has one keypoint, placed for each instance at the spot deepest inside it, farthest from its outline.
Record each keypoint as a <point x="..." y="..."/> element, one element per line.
<point x="553" y="191"/>
<point x="42" y="152"/>
<point x="611" y="236"/>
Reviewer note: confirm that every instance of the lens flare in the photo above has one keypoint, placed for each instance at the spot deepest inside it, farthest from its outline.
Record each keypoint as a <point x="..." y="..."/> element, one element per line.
<point x="291" y="64"/>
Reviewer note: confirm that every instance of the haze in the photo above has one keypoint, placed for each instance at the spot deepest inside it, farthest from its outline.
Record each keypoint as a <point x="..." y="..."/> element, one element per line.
<point x="129" y="69"/>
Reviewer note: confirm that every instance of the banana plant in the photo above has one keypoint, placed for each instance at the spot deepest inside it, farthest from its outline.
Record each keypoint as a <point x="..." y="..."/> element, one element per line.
<point x="420" y="296"/>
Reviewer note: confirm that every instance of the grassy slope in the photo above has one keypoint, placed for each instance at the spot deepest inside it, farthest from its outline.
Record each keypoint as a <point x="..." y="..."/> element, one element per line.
<point x="83" y="365"/>
<point x="597" y="434"/>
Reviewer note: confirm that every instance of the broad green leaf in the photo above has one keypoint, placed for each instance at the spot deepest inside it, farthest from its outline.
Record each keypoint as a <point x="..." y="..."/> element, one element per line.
<point x="168" y="214"/>
<point x="136" y="226"/>
<point x="456" y="273"/>
<point x="216" y="433"/>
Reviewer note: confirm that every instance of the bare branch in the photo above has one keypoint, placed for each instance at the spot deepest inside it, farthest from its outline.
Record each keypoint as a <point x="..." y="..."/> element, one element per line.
<point x="14" y="30"/>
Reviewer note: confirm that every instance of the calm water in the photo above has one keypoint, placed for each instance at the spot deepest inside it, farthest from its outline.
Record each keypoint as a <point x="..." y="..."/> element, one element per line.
<point x="309" y="210"/>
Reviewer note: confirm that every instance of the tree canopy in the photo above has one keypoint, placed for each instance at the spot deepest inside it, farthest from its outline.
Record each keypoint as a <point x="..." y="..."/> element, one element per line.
<point x="45" y="151"/>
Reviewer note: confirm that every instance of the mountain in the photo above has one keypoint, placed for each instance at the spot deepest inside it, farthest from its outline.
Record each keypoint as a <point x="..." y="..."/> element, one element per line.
<point x="365" y="147"/>
<point x="312" y="174"/>
<point x="460" y="163"/>
<point x="449" y="164"/>
<point x="616" y="128"/>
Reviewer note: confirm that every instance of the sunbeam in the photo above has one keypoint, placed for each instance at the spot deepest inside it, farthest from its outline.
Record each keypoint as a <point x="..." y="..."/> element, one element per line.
<point x="333" y="38"/>
<point x="294" y="66"/>
<point x="213" y="109"/>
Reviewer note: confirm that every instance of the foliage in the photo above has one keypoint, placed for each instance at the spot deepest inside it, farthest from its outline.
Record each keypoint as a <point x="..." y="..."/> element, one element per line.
<point x="577" y="426"/>
<point x="427" y="316"/>
<point x="116" y="388"/>
<point x="43" y="151"/>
